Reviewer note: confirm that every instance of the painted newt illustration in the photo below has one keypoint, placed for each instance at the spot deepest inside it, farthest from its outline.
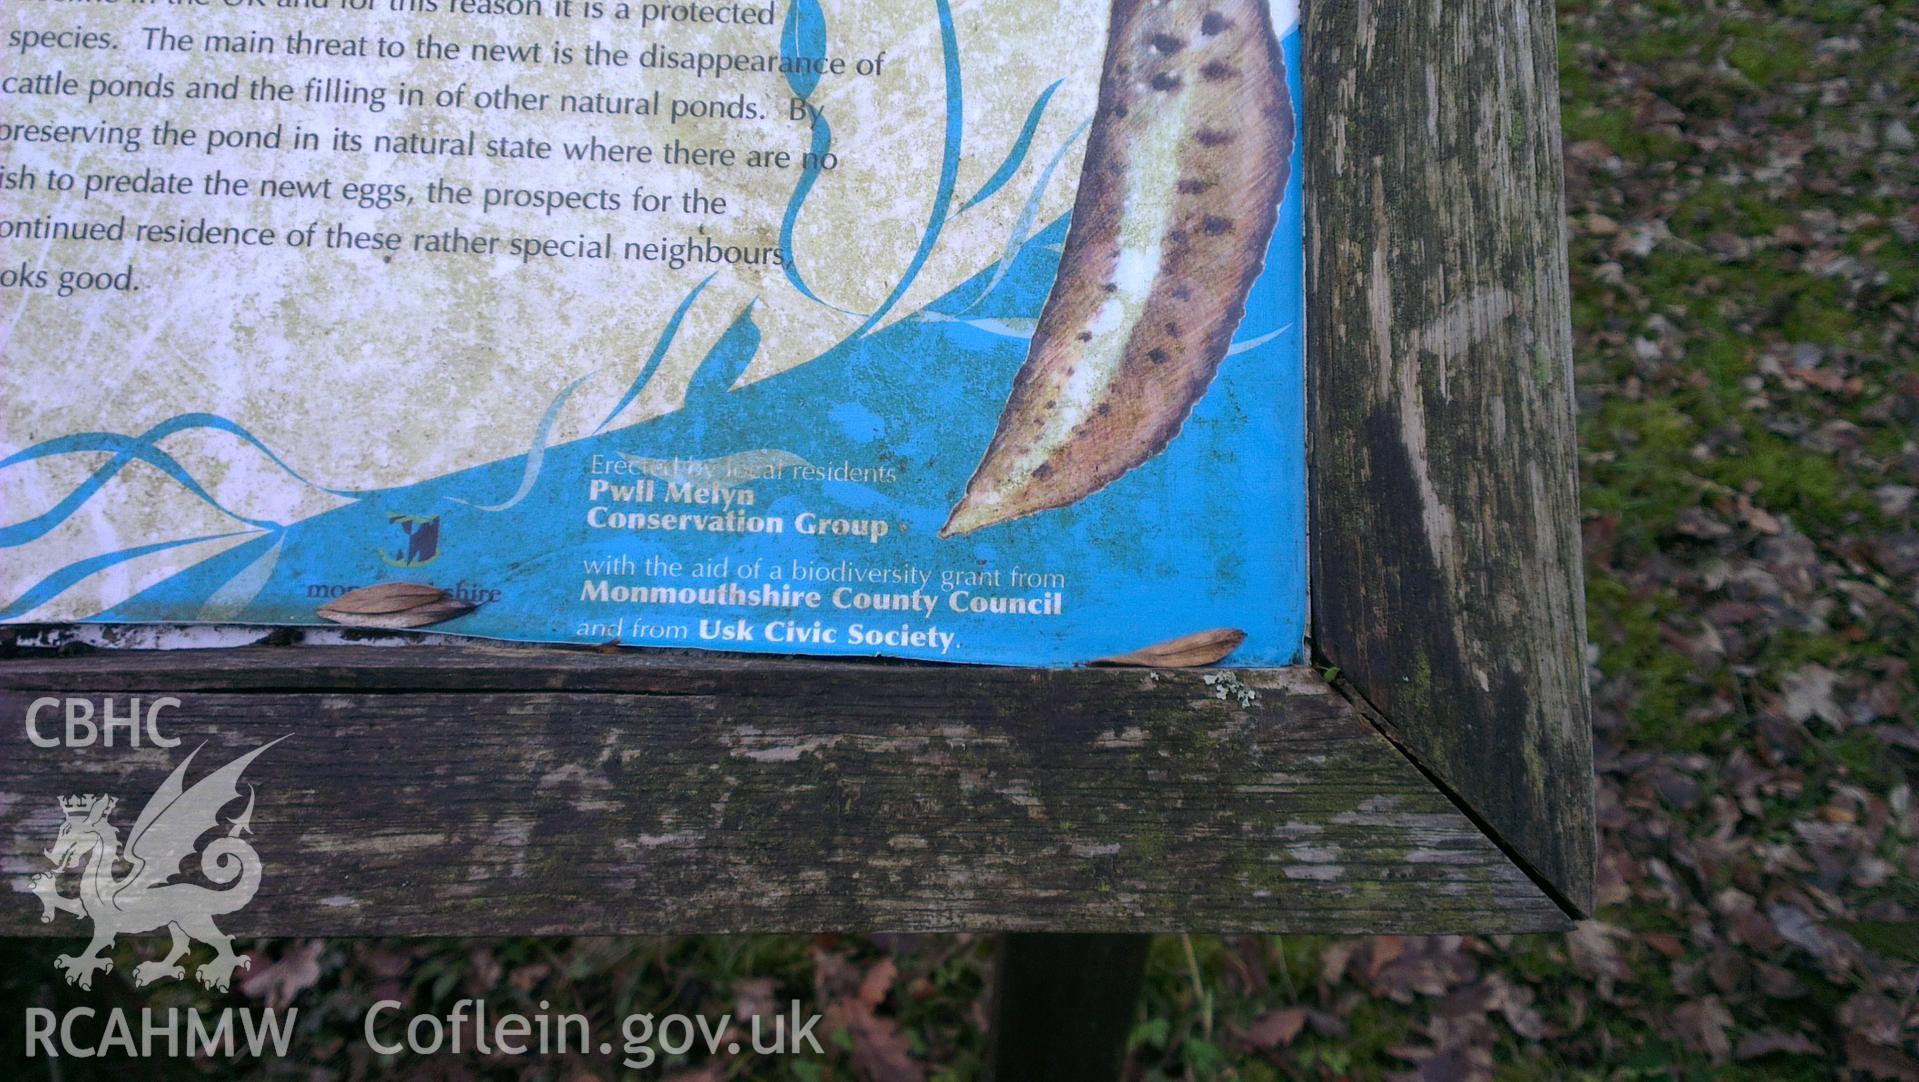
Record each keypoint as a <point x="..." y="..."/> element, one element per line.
<point x="1185" y="167"/>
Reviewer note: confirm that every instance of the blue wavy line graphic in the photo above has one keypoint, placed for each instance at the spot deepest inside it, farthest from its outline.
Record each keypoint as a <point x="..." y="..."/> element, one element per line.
<point x="67" y="577"/>
<point x="542" y="436"/>
<point x="1017" y="155"/>
<point x="803" y="37"/>
<point x="85" y="441"/>
<point x="1023" y="230"/>
<point x="822" y="143"/>
<point x="142" y="448"/>
<point x="1254" y="343"/>
<point x="234" y="595"/>
<point x="949" y="169"/>
<point x="724" y="365"/>
<point x="126" y="449"/>
<point x="1004" y="328"/>
<point x="659" y="350"/>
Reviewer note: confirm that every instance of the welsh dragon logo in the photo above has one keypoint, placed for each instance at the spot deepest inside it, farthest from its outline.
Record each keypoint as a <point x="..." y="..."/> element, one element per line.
<point x="145" y="899"/>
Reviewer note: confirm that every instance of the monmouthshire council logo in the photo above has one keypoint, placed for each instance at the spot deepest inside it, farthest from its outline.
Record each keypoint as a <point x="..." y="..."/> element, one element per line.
<point x="422" y="544"/>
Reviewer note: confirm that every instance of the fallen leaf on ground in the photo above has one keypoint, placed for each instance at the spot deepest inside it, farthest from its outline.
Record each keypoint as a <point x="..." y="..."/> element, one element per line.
<point x="279" y="980"/>
<point x="1276" y="1028"/>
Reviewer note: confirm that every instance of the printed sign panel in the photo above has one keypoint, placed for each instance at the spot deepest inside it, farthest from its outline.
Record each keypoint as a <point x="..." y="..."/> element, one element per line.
<point x="960" y="331"/>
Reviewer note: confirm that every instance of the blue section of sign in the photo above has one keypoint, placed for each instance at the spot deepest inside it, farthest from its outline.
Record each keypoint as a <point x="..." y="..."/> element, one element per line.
<point x="1210" y="533"/>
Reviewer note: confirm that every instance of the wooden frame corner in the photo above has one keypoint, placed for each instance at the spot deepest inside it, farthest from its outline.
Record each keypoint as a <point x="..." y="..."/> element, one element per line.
<point x="1445" y="545"/>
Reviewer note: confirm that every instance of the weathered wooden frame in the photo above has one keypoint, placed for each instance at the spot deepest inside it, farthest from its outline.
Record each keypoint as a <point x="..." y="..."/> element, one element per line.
<point x="1431" y="772"/>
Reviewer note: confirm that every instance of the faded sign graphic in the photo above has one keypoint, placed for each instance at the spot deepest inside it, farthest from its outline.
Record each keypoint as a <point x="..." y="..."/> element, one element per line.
<point x="960" y="331"/>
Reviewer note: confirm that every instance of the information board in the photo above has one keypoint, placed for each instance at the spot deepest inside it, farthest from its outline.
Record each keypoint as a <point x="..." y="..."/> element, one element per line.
<point x="956" y="331"/>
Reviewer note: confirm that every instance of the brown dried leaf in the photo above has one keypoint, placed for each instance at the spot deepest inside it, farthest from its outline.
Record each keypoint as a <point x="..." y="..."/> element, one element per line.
<point x="483" y="970"/>
<point x="1382" y="952"/>
<point x="394" y="605"/>
<point x="278" y="981"/>
<point x="1514" y="1002"/>
<point x="1665" y="943"/>
<point x="877" y="982"/>
<point x="386" y="597"/>
<point x="880" y="1053"/>
<point x="1766" y="1042"/>
<point x="1758" y="517"/>
<point x="1809" y="692"/>
<point x="1701" y="1026"/>
<point x="1335" y="958"/>
<point x="1276" y="1028"/>
<point x="1594" y="946"/>
<point x="1187" y="651"/>
<point x="528" y="977"/>
<point x="1877" y="1061"/>
<point x="1405" y="967"/>
<point x="753" y="998"/>
<point x="1874" y="1017"/>
<point x="1464" y="1064"/>
<point x="1696" y="522"/>
<point x="834" y="975"/>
